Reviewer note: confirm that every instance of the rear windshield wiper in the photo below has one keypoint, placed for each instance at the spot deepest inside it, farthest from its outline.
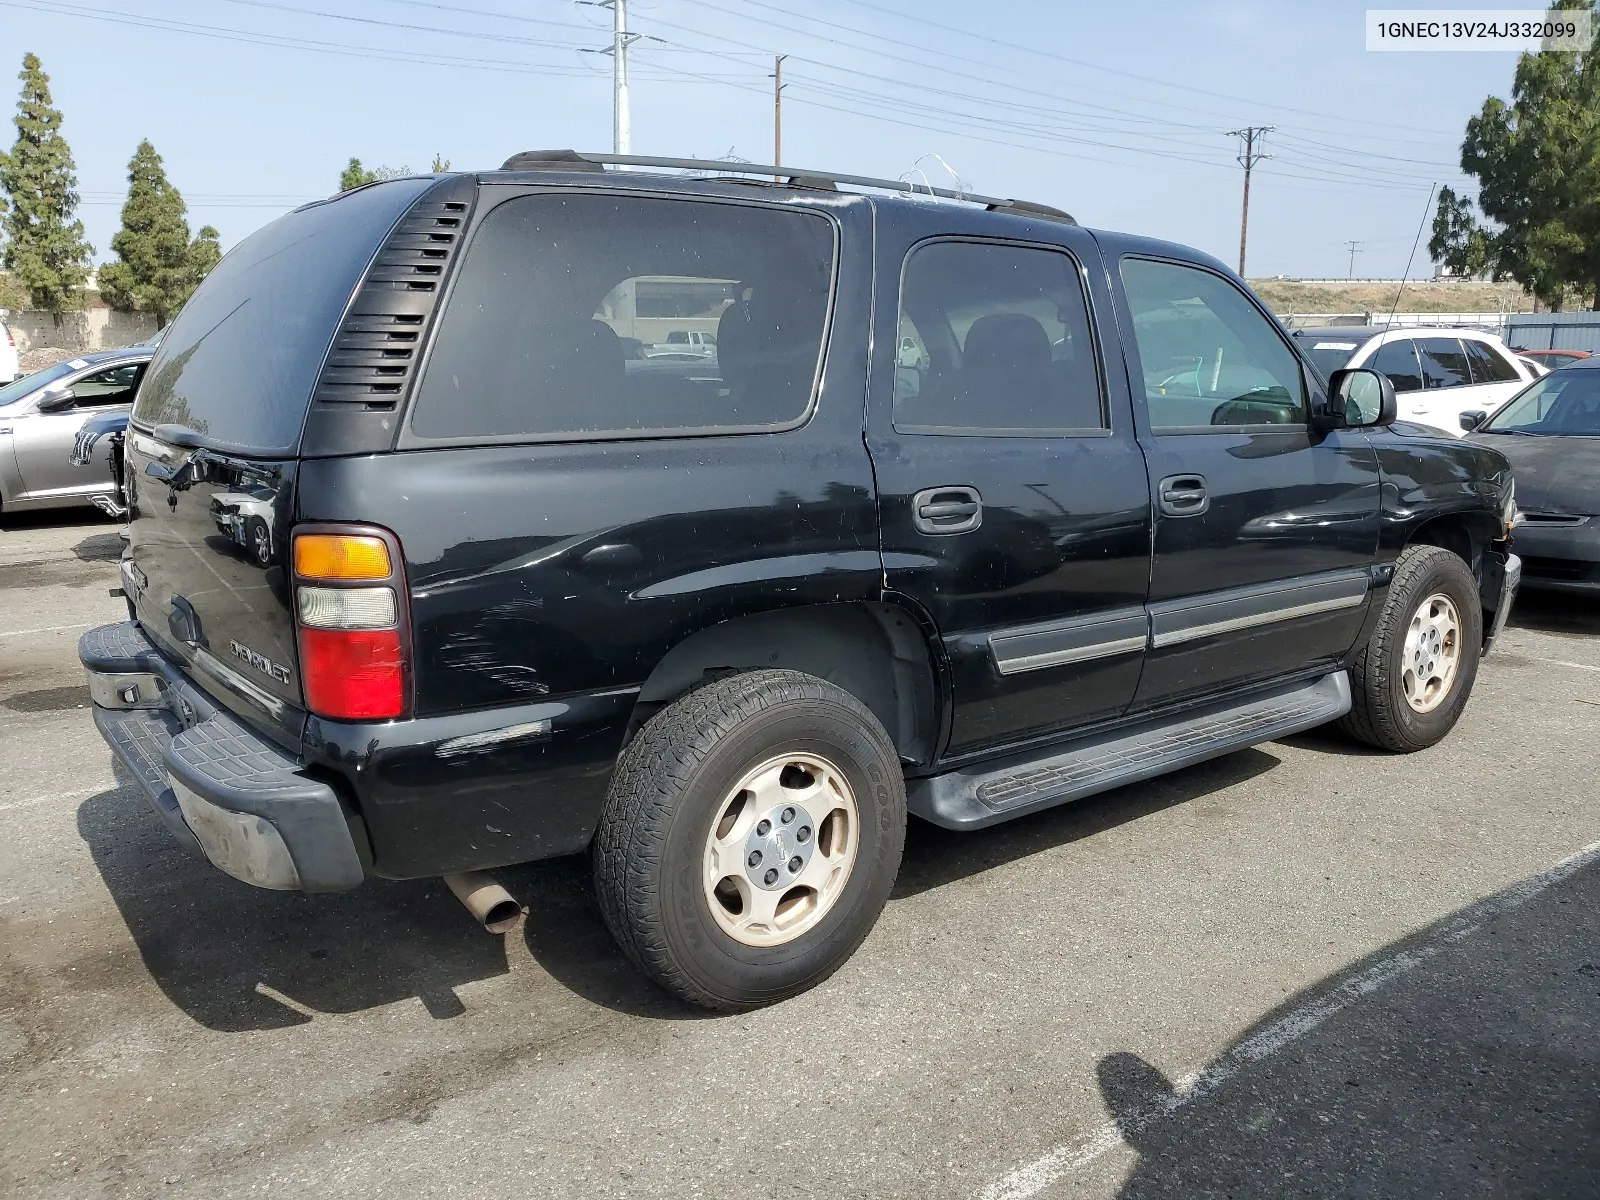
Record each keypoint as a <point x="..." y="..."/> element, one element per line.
<point x="180" y="435"/>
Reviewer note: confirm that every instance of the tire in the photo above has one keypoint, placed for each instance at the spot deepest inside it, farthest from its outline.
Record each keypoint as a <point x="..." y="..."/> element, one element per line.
<point x="258" y="539"/>
<point x="673" y="793"/>
<point x="1381" y="714"/>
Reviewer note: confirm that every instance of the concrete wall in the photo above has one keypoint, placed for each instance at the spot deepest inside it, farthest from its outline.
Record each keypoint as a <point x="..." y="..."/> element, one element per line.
<point x="79" y="332"/>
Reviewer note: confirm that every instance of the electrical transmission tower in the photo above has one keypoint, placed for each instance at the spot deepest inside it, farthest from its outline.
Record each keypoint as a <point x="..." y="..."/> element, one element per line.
<point x="1251" y="136"/>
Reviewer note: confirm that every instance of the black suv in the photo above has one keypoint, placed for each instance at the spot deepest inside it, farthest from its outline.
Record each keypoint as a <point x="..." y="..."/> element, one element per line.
<point x="956" y="509"/>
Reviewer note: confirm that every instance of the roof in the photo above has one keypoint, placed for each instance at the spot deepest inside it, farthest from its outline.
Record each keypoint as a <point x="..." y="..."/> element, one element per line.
<point x="770" y="175"/>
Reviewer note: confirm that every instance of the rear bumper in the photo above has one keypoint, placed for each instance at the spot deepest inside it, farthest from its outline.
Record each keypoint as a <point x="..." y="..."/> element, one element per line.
<point x="223" y="790"/>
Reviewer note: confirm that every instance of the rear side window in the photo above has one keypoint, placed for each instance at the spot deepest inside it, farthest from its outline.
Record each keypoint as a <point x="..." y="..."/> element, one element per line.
<point x="580" y="316"/>
<point x="1444" y="365"/>
<point x="1488" y="364"/>
<point x="994" y="339"/>
<point x="1398" y="360"/>
<point x="239" y="363"/>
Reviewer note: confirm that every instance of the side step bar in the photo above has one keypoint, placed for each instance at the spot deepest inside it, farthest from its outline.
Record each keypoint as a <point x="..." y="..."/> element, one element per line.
<point x="993" y="792"/>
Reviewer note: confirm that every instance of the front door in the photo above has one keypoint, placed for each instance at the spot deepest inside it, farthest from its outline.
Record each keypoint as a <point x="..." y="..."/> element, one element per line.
<point x="43" y="440"/>
<point x="1011" y="486"/>
<point x="1264" y="528"/>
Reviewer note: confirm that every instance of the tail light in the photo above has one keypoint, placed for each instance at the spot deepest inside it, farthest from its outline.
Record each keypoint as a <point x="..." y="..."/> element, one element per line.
<point x="10" y="341"/>
<point x="350" y="612"/>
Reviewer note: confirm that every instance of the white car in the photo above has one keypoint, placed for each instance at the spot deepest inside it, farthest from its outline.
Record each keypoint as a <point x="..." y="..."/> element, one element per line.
<point x="10" y="363"/>
<point x="1437" y="373"/>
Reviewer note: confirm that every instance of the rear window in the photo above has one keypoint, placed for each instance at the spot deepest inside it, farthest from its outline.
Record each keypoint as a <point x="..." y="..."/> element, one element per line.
<point x="1329" y="354"/>
<point x="239" y="363"/>
<point x="572" y="316"/>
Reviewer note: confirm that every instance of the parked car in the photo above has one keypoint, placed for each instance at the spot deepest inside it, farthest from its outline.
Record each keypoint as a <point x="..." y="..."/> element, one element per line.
<point x="1437" y="373"/>
<point x="1551" y="436"/>
<point x="40" y="418"/>
<point x="10" y="361"/>
<point x="685" y="344"/>
<point x="1553" y="359"/>
<point x="1539" y="369"/>
<point x="723" y="631"/>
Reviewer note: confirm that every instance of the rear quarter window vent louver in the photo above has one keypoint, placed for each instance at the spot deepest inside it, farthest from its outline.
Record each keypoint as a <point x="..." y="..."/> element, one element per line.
<point x="373" y="359"/>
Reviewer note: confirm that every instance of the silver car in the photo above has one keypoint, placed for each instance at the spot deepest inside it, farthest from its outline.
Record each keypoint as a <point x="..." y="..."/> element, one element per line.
<point x="40" y="416"/>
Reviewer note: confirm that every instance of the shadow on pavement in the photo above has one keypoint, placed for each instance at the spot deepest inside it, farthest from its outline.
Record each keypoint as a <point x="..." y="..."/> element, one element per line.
<point x="1461" y="1061"/>
<point x="208" y="940"/>
<point x="935" y="856"/>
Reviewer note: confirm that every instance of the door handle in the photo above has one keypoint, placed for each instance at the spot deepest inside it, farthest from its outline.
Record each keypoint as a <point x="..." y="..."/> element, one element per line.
<point x="1183" y="495"/>
<point x="944" y="510"/>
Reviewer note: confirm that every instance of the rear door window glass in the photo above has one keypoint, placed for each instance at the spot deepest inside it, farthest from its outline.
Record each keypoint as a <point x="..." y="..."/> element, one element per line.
<point x="239" y="363"/>
<point x="108" y="387"/>
<point x="1444" y="364"/>
<point x="994" y="338"/>
<point x="1488" y="364"/>
<point x="577" y="316"/>
<point x="1398" y="360"/>
<point x="1210" y="358"/>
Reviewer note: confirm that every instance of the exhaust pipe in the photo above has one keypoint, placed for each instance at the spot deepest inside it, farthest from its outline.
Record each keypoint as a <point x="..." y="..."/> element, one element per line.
<point x="487" y="900"/>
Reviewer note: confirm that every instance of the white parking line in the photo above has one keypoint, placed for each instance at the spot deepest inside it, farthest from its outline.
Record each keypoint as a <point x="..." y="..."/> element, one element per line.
<point x="1561" y="662"/>
<point x="78" y="794"/>
<point x="1032" y="1178"/>
<point x="48" y="629"/>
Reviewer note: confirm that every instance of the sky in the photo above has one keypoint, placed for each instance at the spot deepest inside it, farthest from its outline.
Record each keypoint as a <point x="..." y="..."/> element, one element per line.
<point x="1119" y="113"/>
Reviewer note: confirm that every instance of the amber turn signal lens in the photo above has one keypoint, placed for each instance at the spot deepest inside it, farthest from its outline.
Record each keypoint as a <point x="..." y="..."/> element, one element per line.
<point x="340" y="556"/>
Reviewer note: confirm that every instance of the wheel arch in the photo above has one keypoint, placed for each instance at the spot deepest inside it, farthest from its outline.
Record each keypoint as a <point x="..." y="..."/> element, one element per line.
<point x="878" y="652"/>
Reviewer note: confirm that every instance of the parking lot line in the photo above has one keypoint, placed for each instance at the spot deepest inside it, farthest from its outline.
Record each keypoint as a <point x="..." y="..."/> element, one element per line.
<point x="1032" y="1178"/>
<point x="47" y="629"/>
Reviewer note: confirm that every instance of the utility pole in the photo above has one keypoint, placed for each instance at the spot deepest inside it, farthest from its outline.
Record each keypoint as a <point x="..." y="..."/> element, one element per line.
<point x="1354" y="250"/>
<point x="621" y="116"/>
<point x="1251" y="134"/>
<point x="777" y="109"/>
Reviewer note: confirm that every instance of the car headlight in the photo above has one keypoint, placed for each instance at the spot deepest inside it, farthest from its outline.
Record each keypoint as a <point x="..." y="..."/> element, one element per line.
<point x="1510" y="518"/>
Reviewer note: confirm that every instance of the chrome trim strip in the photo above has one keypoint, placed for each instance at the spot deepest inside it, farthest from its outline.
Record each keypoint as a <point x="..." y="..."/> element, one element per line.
<point x="1190" y="633"/>
<point x="1056" y="658"/>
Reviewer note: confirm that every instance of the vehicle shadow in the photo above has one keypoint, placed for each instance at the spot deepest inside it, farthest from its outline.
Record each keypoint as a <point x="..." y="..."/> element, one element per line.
<point x="1555" y="612"/>
<point x="1459" y="1061"/>
<point x="935" y="856"/>
<point x="236" y="958"/>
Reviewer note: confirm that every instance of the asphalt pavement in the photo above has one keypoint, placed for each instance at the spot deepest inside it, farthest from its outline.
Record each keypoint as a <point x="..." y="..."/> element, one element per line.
<point x="1304" y="969"/>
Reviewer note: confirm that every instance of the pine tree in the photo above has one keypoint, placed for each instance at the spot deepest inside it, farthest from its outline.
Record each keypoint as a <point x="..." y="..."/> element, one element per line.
<point x="355" y="175"/>
<point x="158" y="266"/>
<point x="45" y="250"/>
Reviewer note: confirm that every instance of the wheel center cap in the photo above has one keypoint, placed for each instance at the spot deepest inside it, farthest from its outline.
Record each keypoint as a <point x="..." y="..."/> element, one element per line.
<point x="779" y="847"/>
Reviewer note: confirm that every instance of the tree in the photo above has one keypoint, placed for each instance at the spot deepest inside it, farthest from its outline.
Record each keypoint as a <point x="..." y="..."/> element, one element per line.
<point x="440" y="164"/>
<point x="355" y="175"/>
<point x="1537" y="163"/>
<point x="45" y="250"/>
<point x="158" y="266"/>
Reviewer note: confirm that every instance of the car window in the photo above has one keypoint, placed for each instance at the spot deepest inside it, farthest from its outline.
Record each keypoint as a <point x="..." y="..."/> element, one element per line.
<point x="554" y="289"/>
<point x="1488" y="364"/>
<point x="1329" y="354"/>
<point x="994" y="339"/>
<point x="1210" y="358"/>
<point x="1398" y="360"/>
<point x="1563" y="402"/>
<point x="106" y="387"/>
<point x="1444" y="365"/>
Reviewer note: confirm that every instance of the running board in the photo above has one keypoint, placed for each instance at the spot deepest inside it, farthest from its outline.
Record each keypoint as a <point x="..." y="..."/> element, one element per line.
<point x="988" y="793"/>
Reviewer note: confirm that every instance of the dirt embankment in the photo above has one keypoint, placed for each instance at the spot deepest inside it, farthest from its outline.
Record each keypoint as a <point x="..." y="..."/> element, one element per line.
<point x="1289" y="296"/>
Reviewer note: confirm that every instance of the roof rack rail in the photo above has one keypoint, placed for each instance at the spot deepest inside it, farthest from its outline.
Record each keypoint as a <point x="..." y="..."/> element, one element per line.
<point x="571" y="160"/>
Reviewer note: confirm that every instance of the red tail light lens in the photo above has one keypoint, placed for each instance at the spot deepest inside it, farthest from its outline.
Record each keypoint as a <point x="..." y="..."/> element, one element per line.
<point x="353" y="674"/>
<point x="354" y="646"/>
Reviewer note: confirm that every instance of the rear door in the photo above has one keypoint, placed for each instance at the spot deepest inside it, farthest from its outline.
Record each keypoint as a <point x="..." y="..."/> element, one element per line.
<point x="1264" y="528"/>
<point x="1447" y="387"/>
<point x="214" y="440"/>
<point x="1495" y="378"/>
<point x="1011" y="488"/>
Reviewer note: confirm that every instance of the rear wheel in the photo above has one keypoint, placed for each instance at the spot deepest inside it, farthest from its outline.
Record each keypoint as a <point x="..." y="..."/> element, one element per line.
<point x="1411" y="681"/>
<point x="751" y="835"/>
<point x="259" y="538"/>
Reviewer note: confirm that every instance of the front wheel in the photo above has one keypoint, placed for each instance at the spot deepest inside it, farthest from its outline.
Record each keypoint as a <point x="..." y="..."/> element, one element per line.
<point x="1411" y="681"/>
<point x="750" y="837"/>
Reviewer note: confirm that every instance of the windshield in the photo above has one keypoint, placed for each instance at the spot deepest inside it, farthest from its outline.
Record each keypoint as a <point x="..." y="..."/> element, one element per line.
<point x="29" y="384"/>
<point x="1566" y="402"/>
<point x="1328" y="354"/>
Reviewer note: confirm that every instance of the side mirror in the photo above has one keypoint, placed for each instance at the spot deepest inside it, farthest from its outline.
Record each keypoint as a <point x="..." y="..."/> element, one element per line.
<point x="54" y="399"/>
<point x="1363" y="398"/>
<point x="1473" y="419"/>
